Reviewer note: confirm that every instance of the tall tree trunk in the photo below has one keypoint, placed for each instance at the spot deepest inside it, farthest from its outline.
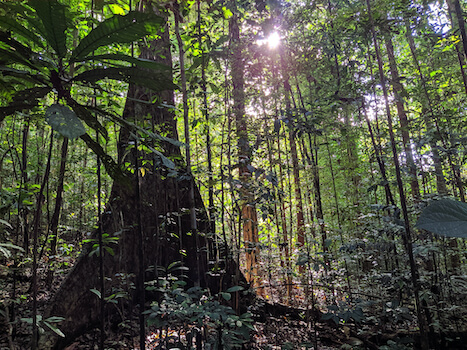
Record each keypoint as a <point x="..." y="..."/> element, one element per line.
<point x="162" y="198"/>
<point x="406" y="235"/>
<point x="440" y="180"/>
<point x="58" y="199"/>
<point x="293" y="150"/>
<point x="461" y="24"/>
<point x="24" y="182"/>
<point x="35" y="233"/>
<point x="403" y="120"/>
<point x="58" y="206"/>
<point x="205" y="112"/>
<point x="460" y="57"/>
<point x="248" y="208"/>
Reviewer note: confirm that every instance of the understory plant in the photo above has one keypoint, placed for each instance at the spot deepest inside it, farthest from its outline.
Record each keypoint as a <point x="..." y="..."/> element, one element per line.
<point x="187" y="317"/>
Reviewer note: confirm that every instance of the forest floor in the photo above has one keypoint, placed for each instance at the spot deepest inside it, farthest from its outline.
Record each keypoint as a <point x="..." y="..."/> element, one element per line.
<point x="272" y="330"/>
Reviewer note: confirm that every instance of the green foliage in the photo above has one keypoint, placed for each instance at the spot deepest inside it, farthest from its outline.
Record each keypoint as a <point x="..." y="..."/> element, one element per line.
<point x="64" y="120"/>
<point x="107" y="241"/>
<point x="34" y="73"/>
<point x="344" y="313"/>
<point x="49" y="323"/>
<point x="54" y="23"/>
<point x="445" y="217"/>
<point x="196" y="312"/>
<point x="7" y="248"/>
<point x="117" y="29"/>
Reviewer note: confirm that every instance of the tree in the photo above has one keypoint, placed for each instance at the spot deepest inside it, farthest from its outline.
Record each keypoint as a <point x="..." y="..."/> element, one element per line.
<point x="247" y="202"/>
<point x="159" y="232"/>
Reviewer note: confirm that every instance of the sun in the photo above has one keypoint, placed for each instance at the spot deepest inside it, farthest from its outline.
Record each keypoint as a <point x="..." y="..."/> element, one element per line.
<point x="273" y="40"/>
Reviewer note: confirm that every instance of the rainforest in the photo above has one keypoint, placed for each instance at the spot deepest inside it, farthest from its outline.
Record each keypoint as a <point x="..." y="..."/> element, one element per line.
<point x="243" y="174"/>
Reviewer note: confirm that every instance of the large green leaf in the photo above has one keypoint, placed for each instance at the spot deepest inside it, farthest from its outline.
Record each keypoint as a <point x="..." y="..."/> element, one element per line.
<point x="53" y="16"/>
<point x="141" y="131"/>
<point x="138" y="62"/>
<point x="14" y="51"/>
<point x="118" y="29"/>
<point x="6" y="249"/>
<point x="445" y="217"/>
<point x="149" y="79"/>
<point x="10" y="24"/>
<point x="23" y="77"/>
<point x="83" y="113"/>
<point x="64" y="120"/>
<point x="24" y="99"/>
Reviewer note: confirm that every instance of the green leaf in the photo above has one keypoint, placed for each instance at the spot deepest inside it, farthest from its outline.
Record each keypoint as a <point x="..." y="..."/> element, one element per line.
<point x="117" y="29"/>
<point x="165" y="161"/>
<point x="6" y="223"/>
<point x="54" y="18"/>
<point x="64" y="120"/>
<point x="139" y="62"/>
<point x="445" y="217"/>
<point x="54" y="328"/>
<point x="24" y="99"/>
<point x="5" y="249"/>
<point x="83" y="113"/>
<point x="95" y="291"/>
<point x="149" y="79"/>
<point x="12" y="25"/>
<point x="142" y="131"/>
<point x="234" y="289"/>
<point x="226" y="296"/>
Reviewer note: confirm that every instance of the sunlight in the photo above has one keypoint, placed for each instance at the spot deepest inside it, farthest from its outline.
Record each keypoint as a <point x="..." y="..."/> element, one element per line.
<point x="273" y="40"/>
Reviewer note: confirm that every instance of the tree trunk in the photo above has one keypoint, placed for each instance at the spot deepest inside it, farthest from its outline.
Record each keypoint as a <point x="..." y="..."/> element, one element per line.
<point x="440" y="180"/>
<point x="58" y="207"/>
<point x="247" y="202"/>
<point x="406" y="234"/>
<point x="164" y="197"/>
<point x="403" y="120"/>
<point x="293" y="149"/>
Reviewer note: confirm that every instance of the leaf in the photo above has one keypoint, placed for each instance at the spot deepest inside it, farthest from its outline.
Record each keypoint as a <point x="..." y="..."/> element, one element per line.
<point x="64" y="120"/>
<point x="132" y="126"/>
<point x="22" y="77"/>
<point x="118" y="29"/>
<point x="12" y="25"/>
<point x="226" y="296"/>
<point x="97" y="292"/>
<point x="83" y="113"/>
<point x="5" y="249"/>
<point x="24" y="99"/>
<point x="165" y="161"/>
<point x="152" y="80"/>
<point x="139" y="62"/>
<point x="6" y="223"/>
<point x="54" y="18"/>
<point x="234" y="289"/>
<point x="54" y="328"/>
<point x="445" y="217"/>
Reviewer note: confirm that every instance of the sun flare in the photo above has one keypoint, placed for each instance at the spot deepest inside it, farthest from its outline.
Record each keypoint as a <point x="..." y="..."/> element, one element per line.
<point x="273" y="40"/>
